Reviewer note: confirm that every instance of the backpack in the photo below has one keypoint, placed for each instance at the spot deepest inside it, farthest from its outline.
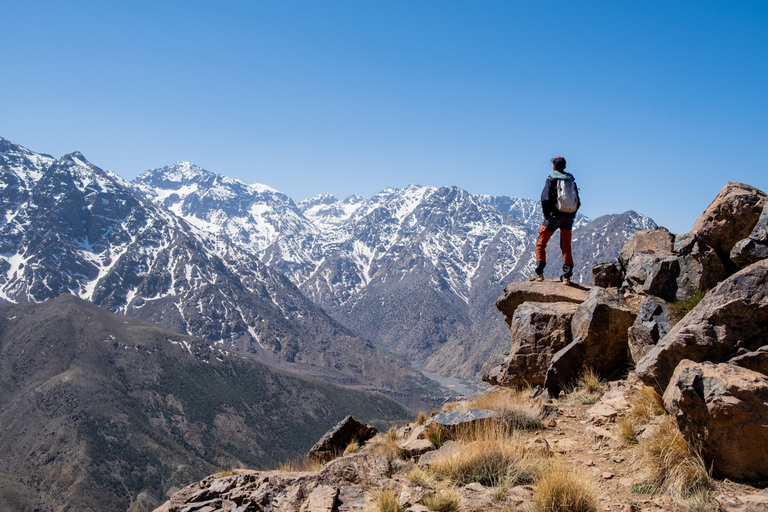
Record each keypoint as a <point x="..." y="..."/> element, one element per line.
<point x="567" y="196"/>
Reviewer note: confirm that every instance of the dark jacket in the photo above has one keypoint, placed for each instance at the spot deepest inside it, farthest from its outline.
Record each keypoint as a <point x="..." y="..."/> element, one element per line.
<point x="549" y="195"/>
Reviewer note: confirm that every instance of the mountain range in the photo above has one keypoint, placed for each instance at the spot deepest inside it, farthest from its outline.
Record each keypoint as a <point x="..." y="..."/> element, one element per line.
<point x="415" y="270"/>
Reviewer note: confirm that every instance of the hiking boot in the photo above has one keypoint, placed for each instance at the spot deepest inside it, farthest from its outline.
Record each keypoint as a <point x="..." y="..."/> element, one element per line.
<point x="567" y="281"/>
<point x="536" y="277"/>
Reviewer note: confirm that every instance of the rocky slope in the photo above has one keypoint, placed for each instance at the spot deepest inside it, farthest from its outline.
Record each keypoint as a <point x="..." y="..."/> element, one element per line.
<point x="70" y="227"/>
<point x="105" y="412"/>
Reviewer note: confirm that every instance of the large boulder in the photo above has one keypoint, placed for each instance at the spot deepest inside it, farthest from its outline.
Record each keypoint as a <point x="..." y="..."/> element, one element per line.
<point x="730" y="217"/>
<point x="653" y="322"/>
<point x="607" y="275"/>
<point x="755" y="247"/>
<point x="722" y="410"/>
<point x="601" y="323"/>
<point x="538" y="291"/>
<point x="729" y="320"/>
<point x="539" y="329"/>
<point x="600" y="340"/>
<point x="699" y="266"/>
<point x="334" y="442"/>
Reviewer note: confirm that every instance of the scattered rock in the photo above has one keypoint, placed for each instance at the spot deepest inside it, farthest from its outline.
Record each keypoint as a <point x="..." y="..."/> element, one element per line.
<point x="733" y="317"/>
<point x="452" y="421"/>
<point x="335" y="441"/>
<point x="757" y="361"/>
<point x="445" y="451"/>
<point x="722" y="410"/>
<point x="546" y="291"/>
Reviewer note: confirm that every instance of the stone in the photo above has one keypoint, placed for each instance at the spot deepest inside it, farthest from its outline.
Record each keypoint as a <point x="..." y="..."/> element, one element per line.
<point x="601" y="323"/>
<point x="334" y="442"/>
<point x="699" y="267"/>
<point x="539" y="329"/>
<point x="417" y="447"/>
<point x="757" y="360"/>
<point x="755" y="247"/>
<point x="565" y="367"/>
<point x="653" y="322"/>
<point x="531" y="291"/>
<point x="607" y="275"/>
<point x="722" y="411"/>
<point x="323" y="498"/>
<point x="730" y="217"/>
<point x="730" y="320"/>
<point x="446" y="450"/>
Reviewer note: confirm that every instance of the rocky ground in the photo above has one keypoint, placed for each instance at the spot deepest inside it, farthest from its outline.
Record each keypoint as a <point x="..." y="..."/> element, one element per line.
<point x="582" y="429"/>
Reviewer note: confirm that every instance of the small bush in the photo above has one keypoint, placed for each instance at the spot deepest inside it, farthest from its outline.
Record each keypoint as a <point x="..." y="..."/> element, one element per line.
<point x="445" y="500"/>
<point x="435" y="434"/>
<point x="420" y="477"/>
<point x="647" y="403"/>
<point x="560" y="490"/>
<point x="669" y="463"/>
<point x="627" y="431"/>
<point x="489" y="454"/>
<point x="387" y="500"/>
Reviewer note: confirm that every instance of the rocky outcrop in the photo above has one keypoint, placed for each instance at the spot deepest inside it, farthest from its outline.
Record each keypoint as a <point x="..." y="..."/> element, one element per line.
<point x="730" y="320"/>
<point x="607" y="275"/>
<point x="722" y="410"/>
<point x="453" y="421"/>
<point x="539" y="329"/>
<point x="755" y="247"/>
<point x="730" y="217"/>
<point x="533" y="291"/>
<point x="343" y="485"/>
<point x="335" y="441"/>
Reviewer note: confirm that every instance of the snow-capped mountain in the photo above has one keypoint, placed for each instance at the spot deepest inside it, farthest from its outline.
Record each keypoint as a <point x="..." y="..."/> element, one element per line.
<point x="70" y="227"/>
<point x="416" y="270"/>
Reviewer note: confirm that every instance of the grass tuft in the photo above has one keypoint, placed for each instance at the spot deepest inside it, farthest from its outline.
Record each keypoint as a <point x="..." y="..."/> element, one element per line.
<point x="435" y="434"/>
<point x="420" y="477"/>
<point x="670" y="465"/>
<point x="351" y="448"/>
<point x="682" y="307"/>
<point x="445" y="500"/>
<point x="300" y="464"/>
<point x="421" y="418"/>
<point x="515" y="408"/>
<point x="387" y="500"/>
<point x="560" y="490"/>
<point x="646" y="403"/>
<point x="627" y="432"/>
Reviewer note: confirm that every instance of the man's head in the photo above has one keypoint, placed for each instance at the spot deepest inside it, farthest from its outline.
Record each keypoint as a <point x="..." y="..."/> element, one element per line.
<point x="558" y="163"/>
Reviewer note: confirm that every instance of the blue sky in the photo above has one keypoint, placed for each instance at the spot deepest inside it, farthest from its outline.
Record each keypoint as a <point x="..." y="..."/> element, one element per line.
<point x="654" y="104"/>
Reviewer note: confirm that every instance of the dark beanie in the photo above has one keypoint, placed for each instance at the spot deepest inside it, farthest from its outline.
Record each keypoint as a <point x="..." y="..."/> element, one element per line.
<point x="558" y="162"/>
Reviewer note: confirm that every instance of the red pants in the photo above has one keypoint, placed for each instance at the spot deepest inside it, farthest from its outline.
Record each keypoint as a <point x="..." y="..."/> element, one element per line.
<point x="565" y="244"/>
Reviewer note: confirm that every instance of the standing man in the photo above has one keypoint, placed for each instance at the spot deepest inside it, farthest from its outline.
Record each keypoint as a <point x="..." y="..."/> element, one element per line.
<point x="559" y="203"/>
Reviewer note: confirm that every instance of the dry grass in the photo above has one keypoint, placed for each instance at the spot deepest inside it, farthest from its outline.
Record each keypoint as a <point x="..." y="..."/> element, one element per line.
<point x="387" y="445"/>
<point x="627" y="432"/>
<point x="421" y="418"/>
<point x="587" y="388"/>
<point x="300" y="464"/>
<point x="435" y="434"/>
<point x="387" y="500"/>
<point x="560" y="490"/>
<point x="351" y="448"/>
<point x="646" y="403"/>
<point x="490" y="454"/>
<point x="227" y="472"/>
<point x="515" y="408"/>
<point x="444" y="500"/>
<point x="422" y="478"/>
<point x="669" y="463"/>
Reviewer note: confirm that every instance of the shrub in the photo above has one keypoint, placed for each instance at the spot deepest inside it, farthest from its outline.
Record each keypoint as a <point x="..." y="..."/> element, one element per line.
<point x="490" y="454"/>
<point x="445" y="500"/>
<point x="560" y="490"/>
<point x="647" y="403"/>
<point x="670" y="464"/>
<point x="387" y="500"/>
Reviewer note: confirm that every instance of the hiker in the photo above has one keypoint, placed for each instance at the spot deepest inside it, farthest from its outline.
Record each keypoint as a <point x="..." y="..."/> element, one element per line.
<point x="559" y="202"/>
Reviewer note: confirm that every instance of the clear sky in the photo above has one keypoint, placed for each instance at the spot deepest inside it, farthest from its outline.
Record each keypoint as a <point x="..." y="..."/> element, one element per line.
<point x="654" y="104"/>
